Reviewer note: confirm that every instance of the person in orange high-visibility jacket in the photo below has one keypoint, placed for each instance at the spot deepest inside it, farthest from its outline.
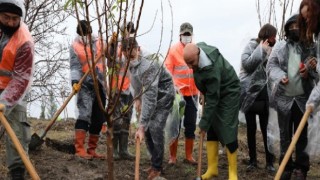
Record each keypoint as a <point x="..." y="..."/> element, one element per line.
<point x="16" y="71"/>
<point x="89" y="115"/>
<point x="184" y="83"/>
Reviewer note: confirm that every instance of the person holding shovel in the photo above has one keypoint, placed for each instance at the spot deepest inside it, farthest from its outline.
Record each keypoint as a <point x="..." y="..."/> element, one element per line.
<point x="89" y="115"/>
<point x="184" y="84"/>
<point x="16" y="70"/>
<point x="218" y="82"/>
<point x="291" y="72"/>
<point x="154" y="87"/>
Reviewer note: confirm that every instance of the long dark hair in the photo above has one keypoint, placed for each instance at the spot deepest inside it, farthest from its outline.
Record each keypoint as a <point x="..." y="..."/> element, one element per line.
<point x="313" y="26"/>
<point x="266" y="32"/>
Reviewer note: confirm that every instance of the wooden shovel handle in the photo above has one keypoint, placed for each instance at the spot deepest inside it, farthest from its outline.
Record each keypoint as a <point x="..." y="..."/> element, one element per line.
<point x="200" y="144"/>
<point x="137" y="164"/>
<point x="65" y="103"/>
<point x="19" y="148"/>
<point x="293" y="143"/>
<point x="200" y="156"/>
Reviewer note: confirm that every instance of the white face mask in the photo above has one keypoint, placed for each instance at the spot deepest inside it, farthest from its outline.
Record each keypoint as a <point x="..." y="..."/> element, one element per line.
<point x="134" y="63"/>
<point x="186" y="39"/>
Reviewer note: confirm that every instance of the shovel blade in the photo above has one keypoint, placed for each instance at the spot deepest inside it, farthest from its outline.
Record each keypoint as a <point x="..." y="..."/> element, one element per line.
<point x="35" y="142"/>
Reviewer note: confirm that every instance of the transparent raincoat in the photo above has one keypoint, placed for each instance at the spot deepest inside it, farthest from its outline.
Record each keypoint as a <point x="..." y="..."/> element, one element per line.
<point x="314" y="125"/>
<point x="157" y="83"/>
<point x="252" y="74"/>
<point x="277" y="68"/>
<point x="86" y="95"/>
<point x="174" y="119"/>
<point x="18" y="50"/>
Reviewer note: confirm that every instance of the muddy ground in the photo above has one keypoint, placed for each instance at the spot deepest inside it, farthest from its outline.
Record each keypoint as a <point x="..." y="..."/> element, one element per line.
<point x="52" y="164"/>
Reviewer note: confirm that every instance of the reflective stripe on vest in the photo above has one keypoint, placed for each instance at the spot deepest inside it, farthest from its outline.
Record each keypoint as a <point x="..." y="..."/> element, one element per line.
<point x="83" y="52"/>
<point x="9" y="53"/>
<point x="181" y="73"/>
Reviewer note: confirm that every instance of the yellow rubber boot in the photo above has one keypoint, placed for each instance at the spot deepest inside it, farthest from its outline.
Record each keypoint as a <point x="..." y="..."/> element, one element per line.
<point x="232" y="160"/>
<point x="212" y="156"/>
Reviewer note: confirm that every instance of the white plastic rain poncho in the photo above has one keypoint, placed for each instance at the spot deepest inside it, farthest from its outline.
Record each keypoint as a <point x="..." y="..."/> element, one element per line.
<point x="277" y="68"/>
<point x="157" y="83"/>
<point x="16" y="72"/>
<point x="156" y="86"/>
<point x="252" y="73"/>
<point x="21" y="78"/>
<point x="86" y="95"/>
<point x="314" y="125"/>
<point x="174" y="118"/>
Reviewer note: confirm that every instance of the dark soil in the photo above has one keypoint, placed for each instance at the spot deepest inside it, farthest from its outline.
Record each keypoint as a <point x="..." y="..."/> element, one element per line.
<point x="52" y="164"/>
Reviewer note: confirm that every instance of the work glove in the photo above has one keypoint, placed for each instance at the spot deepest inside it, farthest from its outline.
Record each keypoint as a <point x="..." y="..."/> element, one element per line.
<point x="75" y="86"/>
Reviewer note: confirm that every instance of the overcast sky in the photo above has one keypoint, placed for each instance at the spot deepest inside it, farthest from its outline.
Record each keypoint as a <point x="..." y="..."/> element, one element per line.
<point x="226" y="24"/>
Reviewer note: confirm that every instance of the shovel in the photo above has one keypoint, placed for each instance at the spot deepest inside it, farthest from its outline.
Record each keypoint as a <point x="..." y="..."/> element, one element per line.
<point x="137" y="164"/>
<point x="200" y="146"/>
<point x="199" y="158"/>
<point x="36" y="140"/>
<point x="19" y="148"/>
<point x="293" y="143"/>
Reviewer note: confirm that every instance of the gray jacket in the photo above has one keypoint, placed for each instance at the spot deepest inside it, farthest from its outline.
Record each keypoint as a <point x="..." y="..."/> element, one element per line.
<point x="277" y="68"/>
<point x="252" y="73"/>
<point x="155" y="82"/>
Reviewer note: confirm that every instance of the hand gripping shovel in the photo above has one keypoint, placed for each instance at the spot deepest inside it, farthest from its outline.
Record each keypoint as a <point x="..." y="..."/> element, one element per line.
<point x="137" y="164"/>
<point x="293" y="143"/>
<point x="36" y="140"/>
<point x="19" y="148"/>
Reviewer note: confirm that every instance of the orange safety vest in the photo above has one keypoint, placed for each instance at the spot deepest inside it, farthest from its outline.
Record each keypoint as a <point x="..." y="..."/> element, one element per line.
<point x="181" y="73"/>
<point x="9" y="53"/>
<point x="119" y="75"/>
<point x="80" y="50"/>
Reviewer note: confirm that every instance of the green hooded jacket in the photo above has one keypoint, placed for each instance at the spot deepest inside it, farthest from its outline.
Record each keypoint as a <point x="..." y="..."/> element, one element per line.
<point x="220" y="86"/>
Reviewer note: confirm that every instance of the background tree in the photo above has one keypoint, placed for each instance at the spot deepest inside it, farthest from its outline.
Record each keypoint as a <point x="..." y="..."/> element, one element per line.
<point x="275" y="13"/>
<point x="110" y="16"/>
<point x="43" y="109"/>
<point x="46" y="21"/>
<point x="53" y="106"/>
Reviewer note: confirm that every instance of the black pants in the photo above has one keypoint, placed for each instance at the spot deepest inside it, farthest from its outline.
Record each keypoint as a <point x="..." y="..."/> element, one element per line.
<point x="122" y="125"/>
<point x="97" y="116"/>
<point x="212" y="136"/>
<point x="261" y="109"/>
<point x="190" y="116"/>
<point x="289" y="121"/>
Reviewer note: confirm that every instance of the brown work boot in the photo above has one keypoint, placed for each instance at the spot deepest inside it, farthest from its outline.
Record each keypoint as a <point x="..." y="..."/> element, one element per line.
<point x="80" y="136"/>
<point x="189" y="148"/>
<point x="92" y="146"/>
<point x="173" y="152"/>
<point x="153" y="174"/>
